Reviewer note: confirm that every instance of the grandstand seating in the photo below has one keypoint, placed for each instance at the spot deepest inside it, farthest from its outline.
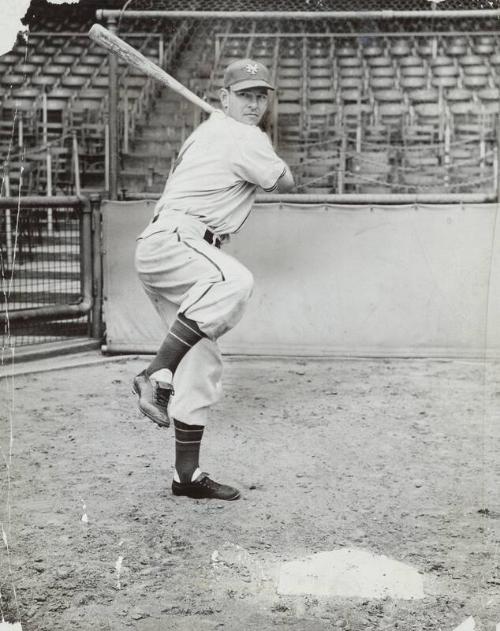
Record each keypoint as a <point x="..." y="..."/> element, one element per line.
<point x="364" y="107"/>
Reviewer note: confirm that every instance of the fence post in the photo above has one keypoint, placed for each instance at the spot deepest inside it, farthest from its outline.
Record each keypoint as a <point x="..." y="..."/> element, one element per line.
<point x="498" y="160"/>
<point x="113" y="117"/>
<point x="125" y="121"/>
<point x="76" y="163"/>
<point x="8" y="226"/>
<point x="48" y="161"/>
<point x="106" y="158"/>
<point x="96" y="326"/>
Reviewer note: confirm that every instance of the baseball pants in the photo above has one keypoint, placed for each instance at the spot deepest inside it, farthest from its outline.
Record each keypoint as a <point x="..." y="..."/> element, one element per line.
<point x="182" y="273"/>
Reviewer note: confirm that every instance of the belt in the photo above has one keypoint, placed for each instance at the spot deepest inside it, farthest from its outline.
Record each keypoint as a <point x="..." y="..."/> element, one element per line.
<point x="209" y="236"/>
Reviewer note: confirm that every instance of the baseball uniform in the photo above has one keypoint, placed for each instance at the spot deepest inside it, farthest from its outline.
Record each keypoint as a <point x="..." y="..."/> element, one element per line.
<point x="208" y="195"/>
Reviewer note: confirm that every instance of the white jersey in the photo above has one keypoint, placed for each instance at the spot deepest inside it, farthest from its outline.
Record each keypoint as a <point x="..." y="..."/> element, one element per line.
<point x="216" y="175"/>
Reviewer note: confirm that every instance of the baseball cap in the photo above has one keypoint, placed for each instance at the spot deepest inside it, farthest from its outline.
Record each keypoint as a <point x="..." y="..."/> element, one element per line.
<point x="247" y="73"/>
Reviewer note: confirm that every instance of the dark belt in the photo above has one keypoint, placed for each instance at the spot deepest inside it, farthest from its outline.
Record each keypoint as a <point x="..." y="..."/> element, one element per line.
<point x="211" y="238"/>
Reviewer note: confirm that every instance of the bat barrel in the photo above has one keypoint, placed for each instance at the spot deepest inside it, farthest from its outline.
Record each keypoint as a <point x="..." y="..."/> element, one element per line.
<point x="135" y="58"/>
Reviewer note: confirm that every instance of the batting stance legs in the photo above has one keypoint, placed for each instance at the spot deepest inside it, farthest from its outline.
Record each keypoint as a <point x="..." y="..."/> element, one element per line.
<point x="200" y="293"/>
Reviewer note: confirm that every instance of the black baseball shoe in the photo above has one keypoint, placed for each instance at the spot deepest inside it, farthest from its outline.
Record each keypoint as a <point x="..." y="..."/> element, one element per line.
<point x="153" y="398"/>
<point x="203" y="487"/>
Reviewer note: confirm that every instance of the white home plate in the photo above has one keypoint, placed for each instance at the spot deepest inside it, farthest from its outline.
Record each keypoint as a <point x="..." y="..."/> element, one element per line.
<point x="350" y="573"/>
<point x="467" y="625"/>
<point x="7" y="626"/>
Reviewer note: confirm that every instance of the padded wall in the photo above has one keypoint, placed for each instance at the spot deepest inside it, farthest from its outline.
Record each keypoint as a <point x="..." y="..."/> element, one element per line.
<point x="332" y="280"/>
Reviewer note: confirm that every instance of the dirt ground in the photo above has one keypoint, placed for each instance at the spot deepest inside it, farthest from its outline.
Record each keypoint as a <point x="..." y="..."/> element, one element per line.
<point x="398" y="457"/>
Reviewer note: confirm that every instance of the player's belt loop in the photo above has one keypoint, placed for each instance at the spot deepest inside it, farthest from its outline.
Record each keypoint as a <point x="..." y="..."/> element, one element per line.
<point x="211" y="238"/>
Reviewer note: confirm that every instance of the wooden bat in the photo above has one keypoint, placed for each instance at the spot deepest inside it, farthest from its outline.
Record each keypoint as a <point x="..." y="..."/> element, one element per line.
<point x="131" y="56"/>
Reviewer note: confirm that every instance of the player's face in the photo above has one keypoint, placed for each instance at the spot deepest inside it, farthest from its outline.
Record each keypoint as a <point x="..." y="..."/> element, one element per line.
<point x="246" y="106"/>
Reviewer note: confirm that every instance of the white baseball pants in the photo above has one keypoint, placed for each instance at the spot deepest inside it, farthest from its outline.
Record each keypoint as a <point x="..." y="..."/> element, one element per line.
<point x="182" y="273"/>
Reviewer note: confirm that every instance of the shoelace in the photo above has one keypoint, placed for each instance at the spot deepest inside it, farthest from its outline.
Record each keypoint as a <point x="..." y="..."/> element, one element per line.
<point x="162" y="395"/>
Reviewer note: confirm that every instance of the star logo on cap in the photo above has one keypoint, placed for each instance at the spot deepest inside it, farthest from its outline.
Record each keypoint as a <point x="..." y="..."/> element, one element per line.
<point x="251" y="68"/>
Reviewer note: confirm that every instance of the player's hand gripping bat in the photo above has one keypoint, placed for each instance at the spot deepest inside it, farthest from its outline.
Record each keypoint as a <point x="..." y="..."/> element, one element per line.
<point x="133" y="57"/>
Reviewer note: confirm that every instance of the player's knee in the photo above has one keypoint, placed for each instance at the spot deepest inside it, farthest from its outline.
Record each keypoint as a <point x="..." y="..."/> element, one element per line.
<point x="246" y="283"/>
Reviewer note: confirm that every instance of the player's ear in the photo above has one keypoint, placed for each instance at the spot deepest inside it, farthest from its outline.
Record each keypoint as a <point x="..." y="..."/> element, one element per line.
<point x="224" y="97"/>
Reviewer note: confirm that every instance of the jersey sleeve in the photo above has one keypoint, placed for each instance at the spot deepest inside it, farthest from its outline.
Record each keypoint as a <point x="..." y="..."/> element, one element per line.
<point x="254" y="160"/>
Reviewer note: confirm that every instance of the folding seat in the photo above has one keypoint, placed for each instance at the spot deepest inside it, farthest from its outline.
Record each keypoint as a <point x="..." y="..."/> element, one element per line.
<point x="43" y="81"/>
<point x="346" y="50"/>
<point x="382" y="71"/>
<point x="483" y="45"/>
<point x="50" y="50"/>
<point x="475" y="81"/>
<point x="441" y="60"/>
<point x="424" y="95"/>
<point x="445" y="71"/>
<point x="64" y="59"/>
<point x="82" y="70"/>
<point x="413" y="71"/>
<point x="74" y="49"/>
<point x="10" y="59"/>
<point x="284" y="83"/>
<point x="429" y="114"/>
<point x="73" y="83"/>
<point x="318" y="71"/>
<point x="98" y="81"/>
<point x="489" y="95"/>
<point x="495" y="60"/>
<point x="37" y="59"/>
<point x="350" y="82"/>
<point x="410" y="61"/>
<point x="381" y="83"/>
<point x="409" y="84"/>
<point x="371" y="172"/>
<point x="425" y="48"/>
<point x="389" y="95"/>
<point x="25" y="94"/>
<point x="25" y="69"/>
<point x="372" y="50"/>
<point x="445" y="76"/>
<point x="470" y="60"/>
<point x="320" y="83"/>
<point x="378" y="62"/>
<point x="352" y="95"/>
<point x="50" y="69"/>
<point x="456" y="46"/>
<point x="444" y="82"/>
<point x="92" y="60"/>
<point x="392" y="114"/>
<point x="349" y="62"/>
<point x="351" y="72"/>
<point x="60" y="96"/>
<point x="479" y="70"/>
<point x="12" y="80"/>
<point x="400" y="48"/>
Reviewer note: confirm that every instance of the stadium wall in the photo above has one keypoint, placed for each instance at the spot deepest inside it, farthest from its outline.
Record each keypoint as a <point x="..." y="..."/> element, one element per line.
<point x="331" y="280"/>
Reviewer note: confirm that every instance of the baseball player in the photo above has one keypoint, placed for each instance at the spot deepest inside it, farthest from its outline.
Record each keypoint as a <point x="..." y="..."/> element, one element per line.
<point x="199" y="291"/>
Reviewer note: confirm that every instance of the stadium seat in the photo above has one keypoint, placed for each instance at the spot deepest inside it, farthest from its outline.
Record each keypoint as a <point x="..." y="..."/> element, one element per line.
<point x="424" y="95"/>
<point x="400" y="48"/>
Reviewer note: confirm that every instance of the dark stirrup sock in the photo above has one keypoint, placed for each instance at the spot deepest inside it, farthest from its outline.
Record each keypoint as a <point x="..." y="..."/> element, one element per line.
<point x="187" y="449"/>
<point x="183" y="335"/>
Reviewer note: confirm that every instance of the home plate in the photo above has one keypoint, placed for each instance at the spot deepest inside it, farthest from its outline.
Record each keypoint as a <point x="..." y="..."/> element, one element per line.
<point x="7" y="626"/>
<point x="350" y="573"/>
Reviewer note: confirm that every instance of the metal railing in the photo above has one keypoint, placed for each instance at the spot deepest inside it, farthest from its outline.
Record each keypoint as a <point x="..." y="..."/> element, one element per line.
<point x="50" y="269"/>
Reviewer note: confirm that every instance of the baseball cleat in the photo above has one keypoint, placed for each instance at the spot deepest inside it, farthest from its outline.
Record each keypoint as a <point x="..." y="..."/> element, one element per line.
<point x="154" y="397"/>
<point x="205" y="488"/>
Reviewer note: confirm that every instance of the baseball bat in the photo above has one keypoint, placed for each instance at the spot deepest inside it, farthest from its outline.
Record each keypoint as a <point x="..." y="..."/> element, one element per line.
<point x="133" y="57"/>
